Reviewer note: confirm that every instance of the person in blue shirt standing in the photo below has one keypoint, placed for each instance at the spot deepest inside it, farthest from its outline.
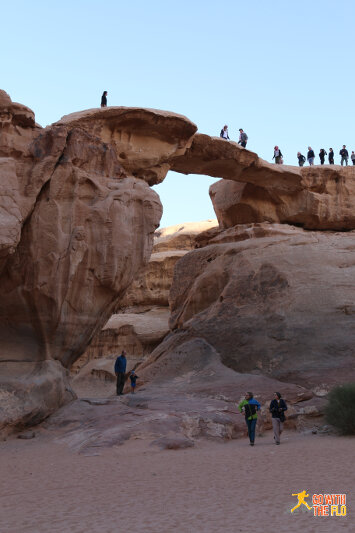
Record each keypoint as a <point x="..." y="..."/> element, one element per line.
<point x="250" y="406"/>
<point x="120" y="371"/>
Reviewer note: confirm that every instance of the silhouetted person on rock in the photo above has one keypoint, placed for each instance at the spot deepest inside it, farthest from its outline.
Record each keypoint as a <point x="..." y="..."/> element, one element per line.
<point x="243" y="138"/>
<point x="301" y="159"/>
<point x="277" y="409"/>
<point x="250" y="407"/>
<point x="277" y="155"/>
<point x="322" y="155"/>
<point x="353" y="157"/>
<point x="224" y="133"/>
<point x="310" y="156"/>
<point x="344" y="155"/>
<point x="331" y="156"/>
<point x="104" y="99"/>
<point x="120" y="371"/>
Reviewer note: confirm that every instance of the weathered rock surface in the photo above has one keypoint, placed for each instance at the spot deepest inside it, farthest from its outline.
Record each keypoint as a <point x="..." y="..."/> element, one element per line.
<point x="273" y="300"/>
<point x="141" y="320"/>
<point x="29" y="392"/>
<point x="75" y="230"/>
<point x="144" y="139"/>
<point x="326" y="201"/>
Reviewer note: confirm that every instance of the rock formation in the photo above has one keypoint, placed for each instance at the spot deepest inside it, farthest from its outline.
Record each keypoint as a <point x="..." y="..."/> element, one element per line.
<point x="76" y="226"/>
<point x="141" y="320"/>
<point x="315" y="197"/>
<point x="258" y="301"/>
<point x="273" y="300"/>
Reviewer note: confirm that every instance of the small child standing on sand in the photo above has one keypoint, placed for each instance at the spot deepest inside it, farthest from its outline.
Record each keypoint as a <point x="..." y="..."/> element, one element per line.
<point x="133" y="377"/>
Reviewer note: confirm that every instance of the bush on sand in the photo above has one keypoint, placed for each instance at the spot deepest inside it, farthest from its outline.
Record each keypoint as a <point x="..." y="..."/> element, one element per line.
<point x="340" y="410"/>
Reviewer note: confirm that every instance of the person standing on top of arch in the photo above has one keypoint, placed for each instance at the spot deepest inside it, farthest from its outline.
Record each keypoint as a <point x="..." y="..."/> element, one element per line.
<point x="277" y="155"/>
<point x="310" y="156"/>
<point x="224" y="133"/>
<point x="243" y="138"/>
<point x="322" y="155"/>
<point x="104" y="99"/>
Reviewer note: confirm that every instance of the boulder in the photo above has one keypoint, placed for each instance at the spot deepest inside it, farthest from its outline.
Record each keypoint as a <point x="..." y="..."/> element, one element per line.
<point x="325" y="202"/>
<point x="271" y="300"/>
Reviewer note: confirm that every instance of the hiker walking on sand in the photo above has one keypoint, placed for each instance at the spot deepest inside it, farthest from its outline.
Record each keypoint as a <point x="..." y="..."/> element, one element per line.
<point x="322" y="155"/>
<point x="243" y="138"/>
<point x="331" y="156"/>
<point x="104" y="99"/>
<point x="344" y="155"/>
<point x="277" y="155"/>
<point x="250" y="406"/>
<point x="301" y="159"/>
<point x="277" y="409"/>
<point x="224" y="133"/>
<point x="120" y="370"/>
<point x="310" y="156"/>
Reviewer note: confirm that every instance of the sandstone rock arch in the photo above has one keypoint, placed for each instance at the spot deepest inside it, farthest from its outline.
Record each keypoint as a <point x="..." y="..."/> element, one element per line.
<point x="77" y="218"/>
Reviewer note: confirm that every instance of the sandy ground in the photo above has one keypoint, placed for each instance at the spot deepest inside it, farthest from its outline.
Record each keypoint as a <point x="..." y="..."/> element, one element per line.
<point x="214" y="487"/>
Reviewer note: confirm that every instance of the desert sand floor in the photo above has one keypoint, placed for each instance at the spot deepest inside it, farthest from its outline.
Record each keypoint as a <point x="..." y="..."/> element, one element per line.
<point x="214" y="487"/>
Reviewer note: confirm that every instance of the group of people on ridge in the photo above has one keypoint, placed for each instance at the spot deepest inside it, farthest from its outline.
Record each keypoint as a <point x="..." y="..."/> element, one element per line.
<point x="322" y="154"/>
<point x="250" y="407"/>
<point x="243" y="139"/>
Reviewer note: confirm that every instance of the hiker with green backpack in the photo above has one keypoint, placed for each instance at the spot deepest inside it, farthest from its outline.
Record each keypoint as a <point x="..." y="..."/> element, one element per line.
<point x="250" y="406"/>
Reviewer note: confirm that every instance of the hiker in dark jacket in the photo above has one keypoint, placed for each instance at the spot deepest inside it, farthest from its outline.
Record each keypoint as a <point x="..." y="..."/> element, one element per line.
<point x="322" y="155"/>
<point x="344" y="155"/>
<point x="120" y="371"/>
<point x="250" y="407"/>
<point x="277" y="409"/>
<point x="277" y="155"/>
<point x="104" y="99"/>
<point x="301" y="159"/>
<point x="224" y="133"/>
<point x="331" y="156"/>
<point x="243" y="138"/>
<point x="310" y="156"/>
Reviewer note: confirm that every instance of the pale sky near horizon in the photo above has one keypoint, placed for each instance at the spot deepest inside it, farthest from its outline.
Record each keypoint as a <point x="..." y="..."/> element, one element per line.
<point x="283" y="71"/>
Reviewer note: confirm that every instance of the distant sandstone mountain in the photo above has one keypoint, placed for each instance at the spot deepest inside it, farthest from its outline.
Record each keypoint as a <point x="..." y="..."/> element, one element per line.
<point x="141" y="321"/>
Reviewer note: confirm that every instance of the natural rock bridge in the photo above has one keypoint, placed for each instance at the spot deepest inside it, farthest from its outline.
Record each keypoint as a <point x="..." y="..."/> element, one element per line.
<point x="77" y="218"/>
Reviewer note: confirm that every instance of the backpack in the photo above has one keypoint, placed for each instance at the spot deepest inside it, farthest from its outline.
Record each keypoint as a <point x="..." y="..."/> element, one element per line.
<point x="244" y="137"/>
<point x="249" y="409"/>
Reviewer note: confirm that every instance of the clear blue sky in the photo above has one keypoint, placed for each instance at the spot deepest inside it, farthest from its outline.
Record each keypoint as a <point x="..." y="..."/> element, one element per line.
<point x="283" y="71"/>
